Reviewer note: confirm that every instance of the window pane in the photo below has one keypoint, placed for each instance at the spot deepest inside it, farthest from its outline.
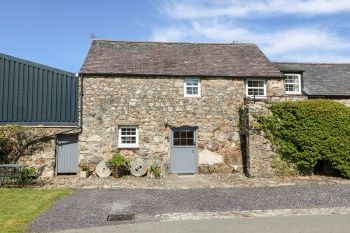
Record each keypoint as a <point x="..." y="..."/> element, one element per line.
<point x="256" y="83"/>
<point x="292" y="87"/>
<point x="192" y="90"/>
<point x="292" y="79"/>
<point x="183" y="137"/>
<point x="128" y="135"/>
<point x="256" y="91"/>
<point x="129" y="140"/>
<point x="176" y="142"/>
<point x="192" y="82"/>
<point x="189" y="90"/>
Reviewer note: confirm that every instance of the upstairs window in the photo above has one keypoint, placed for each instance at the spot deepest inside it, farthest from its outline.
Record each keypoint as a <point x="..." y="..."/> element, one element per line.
<point x="256" y="87"/>
<point x="192" y="87"/>
<point x="293" y="84"/>
<point x="128" y="137"/>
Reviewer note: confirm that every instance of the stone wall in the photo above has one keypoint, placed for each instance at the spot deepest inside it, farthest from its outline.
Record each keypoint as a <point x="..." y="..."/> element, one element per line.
<point x="157" y="103"/>
<point x="259" y="149"/>
<point x="344" y="101"/>
<point x="44" y="159"/>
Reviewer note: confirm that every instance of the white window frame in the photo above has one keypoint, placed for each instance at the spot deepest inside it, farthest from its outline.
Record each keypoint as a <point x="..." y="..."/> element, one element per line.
<point x="128" y="145"/>
<point x="299" y="83"/>
<point x="264" y="88"/>
<point x="185" y="88"/>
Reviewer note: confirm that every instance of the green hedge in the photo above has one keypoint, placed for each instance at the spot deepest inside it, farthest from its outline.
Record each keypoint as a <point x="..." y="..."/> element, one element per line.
<point x="308" y="131"/>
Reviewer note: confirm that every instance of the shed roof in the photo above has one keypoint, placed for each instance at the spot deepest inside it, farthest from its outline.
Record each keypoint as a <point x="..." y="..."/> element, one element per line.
<point x="158" y="58"/>
<point x="321" y="79"/>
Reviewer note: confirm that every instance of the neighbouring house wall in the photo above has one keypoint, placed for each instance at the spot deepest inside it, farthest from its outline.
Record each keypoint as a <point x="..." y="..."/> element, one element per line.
<point x="157" y="103"/>
<point x="275" y="87"/>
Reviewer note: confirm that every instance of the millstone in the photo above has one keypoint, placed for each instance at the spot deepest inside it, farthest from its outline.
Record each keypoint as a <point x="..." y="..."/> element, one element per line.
<point x="102" y="170"/>
<point x="138" y="167"/>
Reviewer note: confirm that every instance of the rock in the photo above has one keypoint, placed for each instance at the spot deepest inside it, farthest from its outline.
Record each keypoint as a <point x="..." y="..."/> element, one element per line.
<point x="127" y="153"/>
<point x="157" y="139"/>
<point x="213" y="146"/>
<point x="158" y="148"/>
<point x="94" y="138"/>
<point x="206" y="169"/>
<point x="223" y="168"/>
<point x="142" y="152"/>
<point x="40" y="161"/>
<point x="209" y="157"/>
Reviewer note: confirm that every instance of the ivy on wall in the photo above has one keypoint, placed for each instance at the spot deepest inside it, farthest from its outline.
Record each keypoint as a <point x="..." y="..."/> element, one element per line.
<point x="306" y="132"/>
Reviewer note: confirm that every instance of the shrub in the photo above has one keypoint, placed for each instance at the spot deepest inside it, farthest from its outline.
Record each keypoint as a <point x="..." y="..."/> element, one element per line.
<point x="118" y="161"/>
<point x="155" y="170"/>
<point x="26" y="176"/>
<point x="16" y="141"/>
<point x="309" y="131"/>
<point x="282" y="167"/>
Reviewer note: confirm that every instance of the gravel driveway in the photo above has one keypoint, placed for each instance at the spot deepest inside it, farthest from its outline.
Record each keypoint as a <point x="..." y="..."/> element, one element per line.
<point x="88" y="208"/>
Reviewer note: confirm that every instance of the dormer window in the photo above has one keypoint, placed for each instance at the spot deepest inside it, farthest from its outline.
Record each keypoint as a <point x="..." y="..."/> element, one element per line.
<point x="293" y="84"/>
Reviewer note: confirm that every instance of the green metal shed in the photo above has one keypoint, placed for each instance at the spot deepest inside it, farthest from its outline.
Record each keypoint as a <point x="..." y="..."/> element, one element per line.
<point x="35" y="94"/>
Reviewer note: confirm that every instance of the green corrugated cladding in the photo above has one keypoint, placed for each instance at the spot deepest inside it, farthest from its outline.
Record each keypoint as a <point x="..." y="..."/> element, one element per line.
<point x="34" y="94"/>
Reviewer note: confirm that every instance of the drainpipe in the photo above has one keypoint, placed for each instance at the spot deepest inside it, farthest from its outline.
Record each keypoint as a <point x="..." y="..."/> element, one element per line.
<point x="81" y="103"/>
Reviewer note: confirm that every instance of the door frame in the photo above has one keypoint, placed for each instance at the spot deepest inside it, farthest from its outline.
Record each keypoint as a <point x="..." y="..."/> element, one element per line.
<point x="171" y="146"/>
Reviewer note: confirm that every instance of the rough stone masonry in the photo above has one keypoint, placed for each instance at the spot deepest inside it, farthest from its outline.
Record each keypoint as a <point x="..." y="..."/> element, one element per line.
<point x="157" y="103"/>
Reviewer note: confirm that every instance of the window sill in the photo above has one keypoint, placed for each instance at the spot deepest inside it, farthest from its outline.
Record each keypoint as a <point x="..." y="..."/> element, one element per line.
<point x="256" y="97"/>
<point x="192" y="96"/>
<point x="128" y="147"/>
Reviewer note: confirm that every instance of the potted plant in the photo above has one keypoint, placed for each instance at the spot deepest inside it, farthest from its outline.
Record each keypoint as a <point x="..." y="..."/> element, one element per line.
<point x="84" y="171"/>
<point x="118" y="164"/>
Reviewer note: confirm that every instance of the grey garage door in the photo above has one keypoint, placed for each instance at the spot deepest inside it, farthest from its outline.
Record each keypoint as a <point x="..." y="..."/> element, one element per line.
<point x="67" y="154"/>
<point x="183" y="150"/>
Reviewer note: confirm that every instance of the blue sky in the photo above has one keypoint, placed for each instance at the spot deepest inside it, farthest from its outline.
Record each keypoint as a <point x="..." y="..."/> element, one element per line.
<point x="57" y="32"/>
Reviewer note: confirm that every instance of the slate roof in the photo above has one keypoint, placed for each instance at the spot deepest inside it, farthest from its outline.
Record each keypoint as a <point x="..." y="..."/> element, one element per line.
<point x="321" y="79"/>
<point x="190" y="59"/>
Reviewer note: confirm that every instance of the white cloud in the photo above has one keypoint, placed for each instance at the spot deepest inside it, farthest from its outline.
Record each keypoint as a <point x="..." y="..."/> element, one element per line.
<point x="195" y="9"/>
<point x="313" y="57"/>
<point x="236" y="20"/>
<point x="299" y="43"/>
<point x="168" y="34"/>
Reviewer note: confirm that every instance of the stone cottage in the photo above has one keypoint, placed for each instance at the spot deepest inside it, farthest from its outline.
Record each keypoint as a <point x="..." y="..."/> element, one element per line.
<point x="178" y="103"/>
<point x="187" y="106"/>
<point x="318" y="80"/>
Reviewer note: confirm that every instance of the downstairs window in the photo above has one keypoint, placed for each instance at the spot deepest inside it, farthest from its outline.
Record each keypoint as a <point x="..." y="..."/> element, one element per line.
<point x="128" y="137"/>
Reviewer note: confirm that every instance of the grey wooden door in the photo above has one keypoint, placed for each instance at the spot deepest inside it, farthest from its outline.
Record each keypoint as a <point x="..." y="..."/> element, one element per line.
<point x="67" y="154"/>
<point x="183" y="150"/>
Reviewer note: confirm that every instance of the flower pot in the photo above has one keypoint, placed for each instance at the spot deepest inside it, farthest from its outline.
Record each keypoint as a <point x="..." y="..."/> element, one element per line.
<point x="84" y="174"/>
<point x="117" y="172"/>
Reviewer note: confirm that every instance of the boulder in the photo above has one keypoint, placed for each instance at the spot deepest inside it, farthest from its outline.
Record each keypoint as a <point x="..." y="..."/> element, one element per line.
<point x="223" y="168"/>
<point x="206" y="169"/>
<point x="210" y="158"/>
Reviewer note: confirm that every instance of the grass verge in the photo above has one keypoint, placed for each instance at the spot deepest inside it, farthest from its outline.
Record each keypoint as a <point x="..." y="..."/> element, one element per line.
<point x="20" y="206"/>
